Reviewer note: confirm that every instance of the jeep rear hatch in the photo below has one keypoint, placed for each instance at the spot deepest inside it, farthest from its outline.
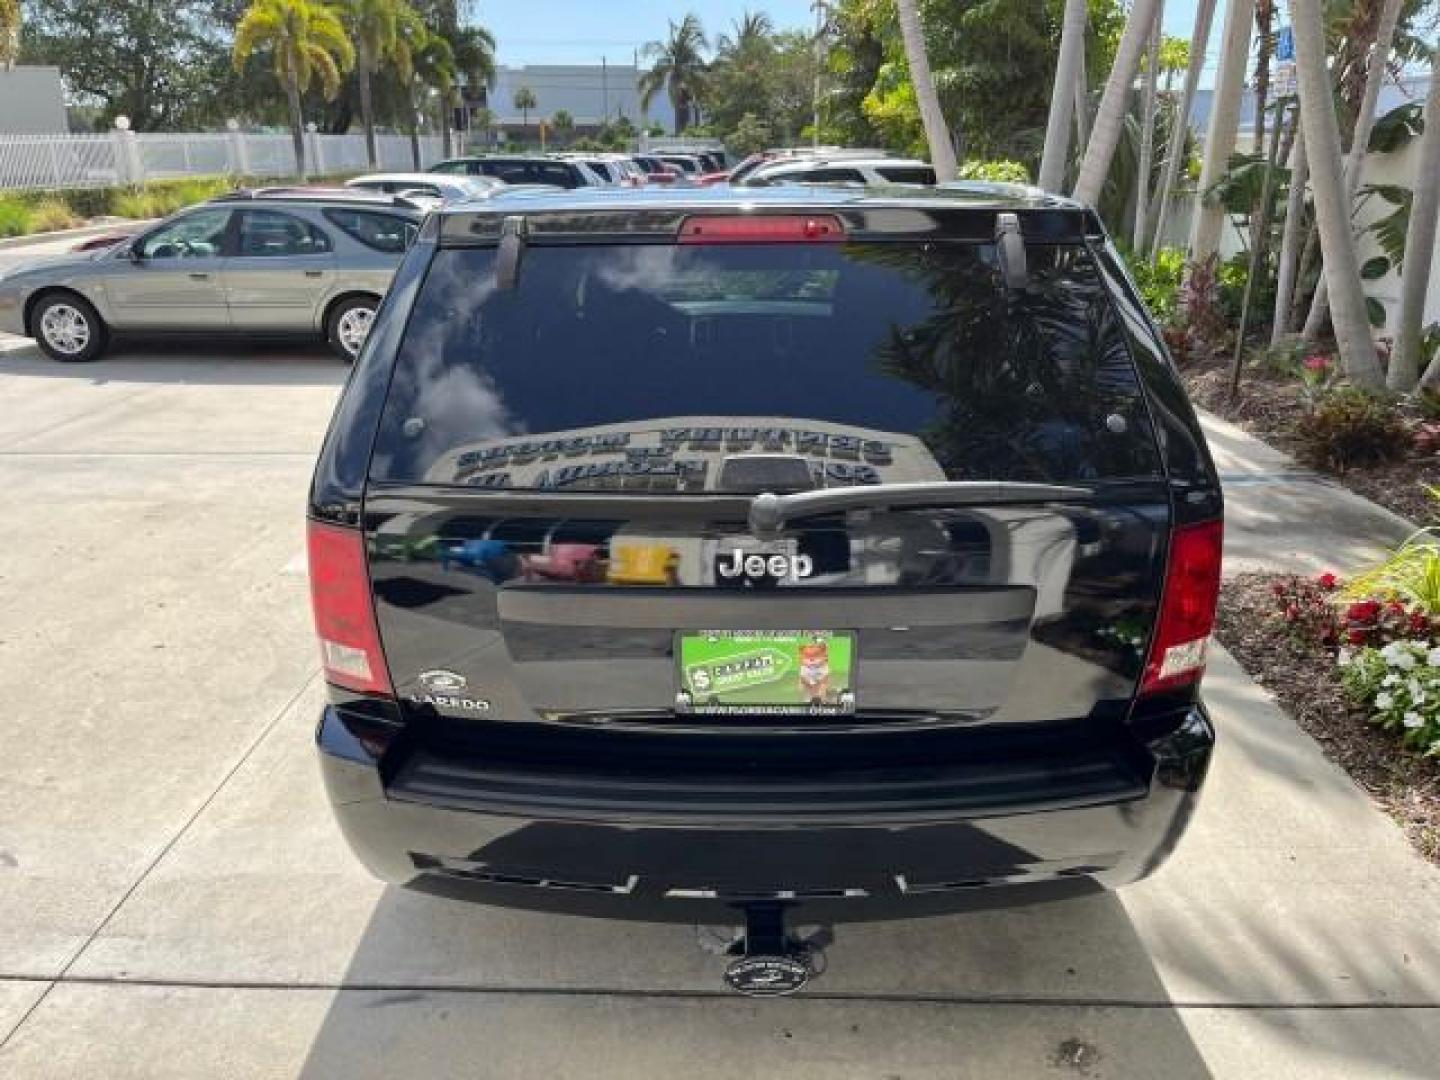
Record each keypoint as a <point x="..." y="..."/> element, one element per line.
<point x="761" y="473"/>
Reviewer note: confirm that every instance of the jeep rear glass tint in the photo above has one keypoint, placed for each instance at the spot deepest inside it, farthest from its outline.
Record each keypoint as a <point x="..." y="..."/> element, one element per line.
<point x="658" y="367"/>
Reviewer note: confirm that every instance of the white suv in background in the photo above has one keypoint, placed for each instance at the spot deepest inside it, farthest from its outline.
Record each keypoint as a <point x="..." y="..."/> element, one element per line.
<point x="843" y="170"/>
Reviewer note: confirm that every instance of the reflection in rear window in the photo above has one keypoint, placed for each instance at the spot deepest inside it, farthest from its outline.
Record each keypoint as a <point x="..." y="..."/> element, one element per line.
<point x="657" y="367"/>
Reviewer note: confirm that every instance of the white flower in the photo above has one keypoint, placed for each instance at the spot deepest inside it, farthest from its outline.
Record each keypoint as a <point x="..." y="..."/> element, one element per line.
<point x="1404" y="660"/>
<point x="1433" y="659"/>
<point x="1417" y="692"/>
<point x="1413" y="720"/>
<point x="1383" y="701"/>
<point x="1345" y="657"/>
<point x="1390" y="679"/>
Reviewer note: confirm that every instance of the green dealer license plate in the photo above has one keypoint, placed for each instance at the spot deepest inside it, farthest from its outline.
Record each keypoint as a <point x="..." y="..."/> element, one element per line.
<point x="774" y="672"/>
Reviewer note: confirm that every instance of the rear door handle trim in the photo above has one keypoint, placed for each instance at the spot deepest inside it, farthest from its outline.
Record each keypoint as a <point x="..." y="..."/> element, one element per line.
<point x="314" y="273"/>
<point x="199" y="275"/>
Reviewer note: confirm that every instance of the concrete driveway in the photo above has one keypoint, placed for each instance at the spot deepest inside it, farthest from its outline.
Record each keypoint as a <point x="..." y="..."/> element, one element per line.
<point x="175" y="901"/>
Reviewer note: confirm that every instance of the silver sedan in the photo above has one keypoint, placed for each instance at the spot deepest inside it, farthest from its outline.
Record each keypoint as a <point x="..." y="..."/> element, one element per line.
<point x="282" y="263"/>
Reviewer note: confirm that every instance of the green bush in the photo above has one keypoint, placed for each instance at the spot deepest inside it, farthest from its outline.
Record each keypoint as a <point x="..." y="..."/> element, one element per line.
<point x="1159" y="284"/>
<point x="1002" y="172"/>
<point x="14" y="217"/>
<point x="51" y="215"/>
<point x="1350" y="427"/>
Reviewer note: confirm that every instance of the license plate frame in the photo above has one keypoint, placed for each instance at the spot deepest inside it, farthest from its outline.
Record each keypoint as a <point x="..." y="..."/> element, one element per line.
<point x="765" y="672"/>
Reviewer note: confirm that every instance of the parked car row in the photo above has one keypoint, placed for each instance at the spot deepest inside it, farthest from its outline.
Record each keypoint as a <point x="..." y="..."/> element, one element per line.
<point x="576" y="169"/>
<point x="316" y="260"/>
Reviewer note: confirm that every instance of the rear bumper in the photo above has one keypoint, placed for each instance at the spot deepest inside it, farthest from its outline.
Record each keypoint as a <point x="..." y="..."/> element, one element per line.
<point x="632" y="855"/>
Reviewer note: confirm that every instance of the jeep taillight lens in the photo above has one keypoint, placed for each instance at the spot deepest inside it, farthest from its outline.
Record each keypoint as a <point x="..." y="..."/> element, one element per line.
<point x="344" y="610"/>
<point x="1187" y="609"/>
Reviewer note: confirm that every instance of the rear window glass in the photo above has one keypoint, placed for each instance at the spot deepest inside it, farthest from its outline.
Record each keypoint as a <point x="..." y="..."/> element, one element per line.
<point x="907" y="174"/>
<point x="383" y="232"/>
<point x="709" y="368"/>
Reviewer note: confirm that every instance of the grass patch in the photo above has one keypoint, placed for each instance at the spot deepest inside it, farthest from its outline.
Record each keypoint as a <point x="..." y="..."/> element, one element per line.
<point x="26" y="212"/>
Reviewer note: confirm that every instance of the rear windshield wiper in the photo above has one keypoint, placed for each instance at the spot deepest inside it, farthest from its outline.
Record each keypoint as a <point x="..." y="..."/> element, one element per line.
<point x="769" y="512"/>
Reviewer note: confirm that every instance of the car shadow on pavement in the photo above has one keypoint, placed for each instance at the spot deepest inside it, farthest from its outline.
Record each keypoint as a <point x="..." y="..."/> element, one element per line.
<point x="192" y="361"/>
<point x="451" y="988"/>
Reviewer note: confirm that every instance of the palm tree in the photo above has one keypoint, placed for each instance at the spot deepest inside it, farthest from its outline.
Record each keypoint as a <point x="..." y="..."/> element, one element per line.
<point x="1359" y="143"/>
<point x="1115" y="103"/>
<point x="308" y="43"/>
<point x="1199" y="42"/>
<point x="942" y="150"/>
<point x="1207" y="221"/>
<point x="474" y="50"/>
<point x="433" y="71"/>
<point x="524" y="100"/>
<point x="10" y="19"/>
<point x="751" y="29"/>
<point x="379" y="30"/>
<point x="1147" y="131"/>
<point x="1420" y="244"/>
<point x="1290" y="238"/>
<point x="563" y="124"/>
<point x="1062" y="96"/>
<point x="1332" y="206"/>
<point x="679" y="68"/>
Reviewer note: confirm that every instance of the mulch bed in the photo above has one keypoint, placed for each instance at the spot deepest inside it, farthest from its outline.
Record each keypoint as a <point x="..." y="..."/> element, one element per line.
<point x="1268" y="407"/>
<point x="1304" y="679"/>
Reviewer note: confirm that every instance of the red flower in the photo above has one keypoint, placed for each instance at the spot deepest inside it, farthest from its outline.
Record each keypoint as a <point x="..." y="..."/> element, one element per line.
<point x="1317" y="363"/>
<point x="1328" y="581"/>
<point x="1419" y="623"/>
<point x="1292" y="612"/>
<point x="1357" y="636"/>
<point x="1363" y="611"/>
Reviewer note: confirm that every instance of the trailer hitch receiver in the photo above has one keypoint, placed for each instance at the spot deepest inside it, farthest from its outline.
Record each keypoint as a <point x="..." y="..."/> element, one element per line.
<point x="769" y="962"/>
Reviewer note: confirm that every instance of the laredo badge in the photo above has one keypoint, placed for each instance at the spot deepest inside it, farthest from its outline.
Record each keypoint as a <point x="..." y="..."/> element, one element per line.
<point x="442" y="690"/>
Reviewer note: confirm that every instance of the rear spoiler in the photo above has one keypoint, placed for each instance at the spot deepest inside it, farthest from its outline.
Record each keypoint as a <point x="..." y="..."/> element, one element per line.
<point x="872" y="220"/>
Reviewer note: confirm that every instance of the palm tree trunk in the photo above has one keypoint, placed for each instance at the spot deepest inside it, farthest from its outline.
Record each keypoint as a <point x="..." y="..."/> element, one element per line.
<point x="1420" y="251"/>
<point x="1337" y="244"/>
<point x="937" y="134"/>
<point x="1199" y="42"/>
<point x="1062" y="97"/>
<point x="1290" y="239"/>
<point x="447" y="137"/>
<point x="367" y="112"/>
<point x="1265" y="32"/>
<point x="1082" y="105"/>
<point x="414" y="119"/>
<point x="1207" y="221"/>
<point x="297" y="123"/>
<point x="1359" y="142"/>
<point x="1114" y="103"/>
<point x="1147" y="134"/>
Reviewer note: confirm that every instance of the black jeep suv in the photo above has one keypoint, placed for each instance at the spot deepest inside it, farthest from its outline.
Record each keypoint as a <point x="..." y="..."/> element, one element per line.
<point x="807" y="555"/>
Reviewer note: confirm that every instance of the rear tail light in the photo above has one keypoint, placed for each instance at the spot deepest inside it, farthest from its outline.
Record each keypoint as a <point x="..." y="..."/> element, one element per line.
<point x="345" y="610"/>
<point x="1187" y="609"/>
<point x="761" y="229"/>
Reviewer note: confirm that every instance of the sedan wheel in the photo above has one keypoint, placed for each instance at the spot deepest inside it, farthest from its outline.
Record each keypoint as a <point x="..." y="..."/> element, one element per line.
<point x="69" y="329"/>
<point x="350" y="326"/>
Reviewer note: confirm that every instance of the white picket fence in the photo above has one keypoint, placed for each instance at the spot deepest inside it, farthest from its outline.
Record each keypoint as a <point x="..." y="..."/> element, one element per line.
<point x="126" y="157"/>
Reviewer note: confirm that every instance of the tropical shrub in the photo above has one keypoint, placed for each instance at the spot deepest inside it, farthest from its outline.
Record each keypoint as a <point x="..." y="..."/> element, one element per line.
<point x="1208" y="325"/>
<point x="1159" y="283"/>
<point x="1411" y="575"/>
<point x="1349" y="427"/>
<point x="1000" y="172"/>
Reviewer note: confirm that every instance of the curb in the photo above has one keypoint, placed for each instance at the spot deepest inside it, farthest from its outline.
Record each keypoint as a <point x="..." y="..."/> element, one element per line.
<point x="118" y="225"/>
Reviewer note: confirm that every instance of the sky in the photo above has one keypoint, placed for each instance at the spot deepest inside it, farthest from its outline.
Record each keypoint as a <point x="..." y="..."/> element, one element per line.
<point x="585" y="31"/>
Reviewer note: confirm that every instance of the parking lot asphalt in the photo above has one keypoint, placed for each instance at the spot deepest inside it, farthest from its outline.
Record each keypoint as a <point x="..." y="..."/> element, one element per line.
<point x="175" y="900"/>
